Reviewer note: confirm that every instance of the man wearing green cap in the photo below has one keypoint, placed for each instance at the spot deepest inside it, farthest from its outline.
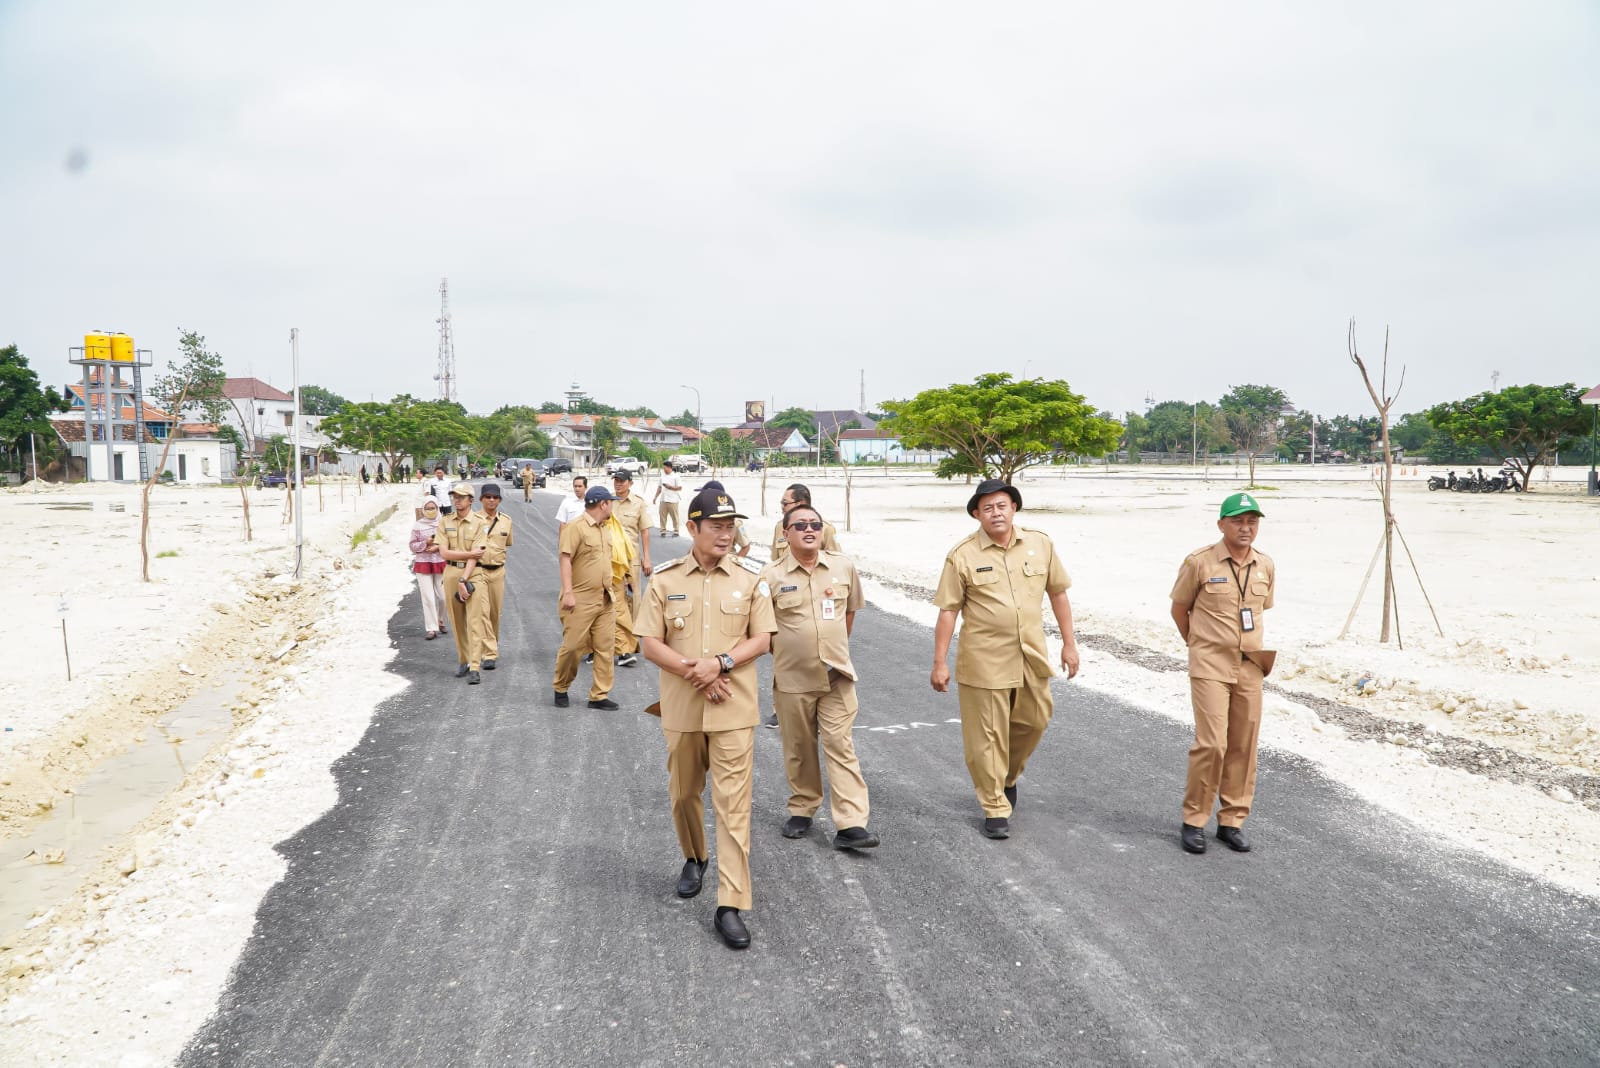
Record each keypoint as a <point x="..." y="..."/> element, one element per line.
<point x="1218" y="603"/>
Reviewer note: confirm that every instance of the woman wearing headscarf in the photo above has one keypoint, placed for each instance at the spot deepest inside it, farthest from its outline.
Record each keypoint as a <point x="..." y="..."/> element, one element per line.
<point x="428" y="566"/>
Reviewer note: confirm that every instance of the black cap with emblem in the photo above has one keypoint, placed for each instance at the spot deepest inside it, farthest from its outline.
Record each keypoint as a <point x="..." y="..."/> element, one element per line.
<point x="713" y="504"/>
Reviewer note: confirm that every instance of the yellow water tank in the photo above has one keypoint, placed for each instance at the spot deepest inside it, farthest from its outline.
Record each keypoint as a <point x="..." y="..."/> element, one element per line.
<point x="122" y="348"/>
<point x="97" y="346"/>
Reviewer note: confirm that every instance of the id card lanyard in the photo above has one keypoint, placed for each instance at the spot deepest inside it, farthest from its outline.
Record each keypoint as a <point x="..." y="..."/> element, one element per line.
<point x="1247" y="618"/>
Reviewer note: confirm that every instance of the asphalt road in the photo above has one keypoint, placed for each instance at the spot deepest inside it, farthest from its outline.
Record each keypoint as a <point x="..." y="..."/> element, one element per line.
<point x="495" y="887"/>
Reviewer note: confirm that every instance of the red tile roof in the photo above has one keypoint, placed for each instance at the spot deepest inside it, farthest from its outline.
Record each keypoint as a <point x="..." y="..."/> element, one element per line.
<point x="152" y="414"/>
<point x="253" y="389"/>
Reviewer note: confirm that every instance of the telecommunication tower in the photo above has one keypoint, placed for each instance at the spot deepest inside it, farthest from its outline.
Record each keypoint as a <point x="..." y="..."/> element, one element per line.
<point x="446" y="375"/>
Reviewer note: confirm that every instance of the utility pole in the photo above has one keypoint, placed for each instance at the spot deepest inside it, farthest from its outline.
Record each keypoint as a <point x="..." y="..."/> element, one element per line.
<point x="446" y="374"/>
<point x="863" y="408"/>
<point x="299" y="473"/>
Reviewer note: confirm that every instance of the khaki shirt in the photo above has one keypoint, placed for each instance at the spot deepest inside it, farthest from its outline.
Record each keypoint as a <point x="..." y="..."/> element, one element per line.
<point x="1208" y="588"/>
<point x="497" y="536"/>
<point x="634" y="517"/>
<point x="527" y="477"/>
<point x="701" y="613"/>
<point x="461" y="532"/>
<point x="589" y="545"/>
<point x="780" y="544"/>
<point x="1000" y="595"/>
<point x="812" y="638"/>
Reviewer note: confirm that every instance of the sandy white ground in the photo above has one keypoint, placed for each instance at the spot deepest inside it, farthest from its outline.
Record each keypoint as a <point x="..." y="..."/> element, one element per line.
<point x="124" y="973"/>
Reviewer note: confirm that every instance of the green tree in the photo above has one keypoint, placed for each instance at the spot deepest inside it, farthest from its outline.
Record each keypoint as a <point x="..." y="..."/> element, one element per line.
<point x="494" y="437"/>
<point x="277" y="454"/>
<point x="607" y="431"/>
<point x="314" y="400"/>
<point x="25" y="407"/>
<point x="684" y="418"/>
<point x="996" y="426"/>
<point x="551" y="408"/>
<point x="399" y="428"/>
<point x="1527" y="425"/>
<point x="194" y="381"/>
<point x="1254" y="415"/>
<point x="798" y="419"/>
<point x="639" y="413"/>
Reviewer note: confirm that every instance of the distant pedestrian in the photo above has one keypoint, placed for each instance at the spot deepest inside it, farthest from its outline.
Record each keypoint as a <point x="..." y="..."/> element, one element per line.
<point x="439" y="490"/>
<point x="588" y="617"/>
<point x="996" y="579"/>
<point x="667" y="493"/>
<point x="1219" y="604"/>
<point x="461" y="543"/>
<point x="380" y="473"/>
<point x="528" y="477"/>
<point x="365" y="477"/>
<point x="428" y="566"/>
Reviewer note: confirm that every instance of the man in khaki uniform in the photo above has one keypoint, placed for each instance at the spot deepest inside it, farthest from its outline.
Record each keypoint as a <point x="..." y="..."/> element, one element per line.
<point x="491" y="568"/>
<point x="462" y="544"/>
<point x="996" y="579"/>
<point x="798" y="494"/>
<point x="1219" y="603"/>
<point x="527" y="477"/>
<point x="587" y="614"/>
<point x="634" y="516"/>
<point x="815" y="597"/>
<point x="706" y="619"/>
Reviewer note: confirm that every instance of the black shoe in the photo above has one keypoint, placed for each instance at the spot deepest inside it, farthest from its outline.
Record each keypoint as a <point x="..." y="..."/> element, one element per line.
<point x="731" y="928"/>
<point x="606" y="703"/>
<point x="1010" y="791"/>
<point x="461" y="671"/>
<point x="1234" y="839"/>
<point x="473" y="678"/>
<point x="689" y="881"/>
<point x="589" y="659"/>
<point x="769" y="719"/>
<point x="797" y="827"/>
<point x="488" y="665"/>
<point x="627" y="660"/>
<point x="561" y="700"/>
<point x="855" y="838"/>
<point x="996" y="827"/>
<point x="1193" y="839"/>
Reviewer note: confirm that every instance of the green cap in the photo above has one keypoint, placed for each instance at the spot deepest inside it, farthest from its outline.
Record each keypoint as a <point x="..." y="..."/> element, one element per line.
<point x="1240" y="504"/>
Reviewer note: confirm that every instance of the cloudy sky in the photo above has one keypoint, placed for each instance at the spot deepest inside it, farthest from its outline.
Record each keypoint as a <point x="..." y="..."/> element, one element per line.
<point x="765" y="200"/>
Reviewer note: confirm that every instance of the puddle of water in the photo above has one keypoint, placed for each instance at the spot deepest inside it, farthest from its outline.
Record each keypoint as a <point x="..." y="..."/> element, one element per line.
<point x="107" y="805"/>
<point x="79" y="506"/>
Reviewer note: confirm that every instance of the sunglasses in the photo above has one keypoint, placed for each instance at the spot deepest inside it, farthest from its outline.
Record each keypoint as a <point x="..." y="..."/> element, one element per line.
<point x="806" y="524"/>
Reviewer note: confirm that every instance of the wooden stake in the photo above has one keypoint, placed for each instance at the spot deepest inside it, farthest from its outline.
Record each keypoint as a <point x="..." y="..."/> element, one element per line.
<point x="1362" y="592"/>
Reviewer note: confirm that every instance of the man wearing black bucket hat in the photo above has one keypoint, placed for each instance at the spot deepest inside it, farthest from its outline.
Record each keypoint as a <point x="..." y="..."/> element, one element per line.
<point x="996" y="580"/>
<point x="707" y="618"/>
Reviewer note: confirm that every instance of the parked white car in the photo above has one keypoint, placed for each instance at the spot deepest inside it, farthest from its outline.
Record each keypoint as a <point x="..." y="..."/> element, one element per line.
<point x="629" y="464"/>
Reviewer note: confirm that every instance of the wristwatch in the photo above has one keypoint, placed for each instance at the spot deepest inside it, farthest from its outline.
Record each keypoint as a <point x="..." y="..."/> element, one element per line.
<point x="726" y="660"/>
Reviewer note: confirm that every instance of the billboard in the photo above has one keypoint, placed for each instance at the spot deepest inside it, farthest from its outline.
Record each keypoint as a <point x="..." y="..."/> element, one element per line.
<point x="755" y="411"/>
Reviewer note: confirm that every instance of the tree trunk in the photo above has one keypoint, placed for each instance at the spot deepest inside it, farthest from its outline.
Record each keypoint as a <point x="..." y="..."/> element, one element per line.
<point x="244" y="498"/>
<point x="1388" y="531"/>
<point x="161" y="465"/>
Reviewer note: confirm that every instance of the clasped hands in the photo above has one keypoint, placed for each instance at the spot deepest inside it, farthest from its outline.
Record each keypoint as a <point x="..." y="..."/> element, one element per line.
<point x="706" y="676"/>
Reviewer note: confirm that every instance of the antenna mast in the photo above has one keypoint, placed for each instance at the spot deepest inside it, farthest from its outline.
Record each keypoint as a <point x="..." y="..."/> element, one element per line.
<point x="446" y="375"/>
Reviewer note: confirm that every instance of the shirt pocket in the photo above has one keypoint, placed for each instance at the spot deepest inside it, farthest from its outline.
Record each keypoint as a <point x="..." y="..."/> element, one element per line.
<point x="1260" y="589"/>
<point x="679" y="618"/>
<point x="985" y="577"/>
<point x="735" y="616"/>
<point x="790" y="600"/>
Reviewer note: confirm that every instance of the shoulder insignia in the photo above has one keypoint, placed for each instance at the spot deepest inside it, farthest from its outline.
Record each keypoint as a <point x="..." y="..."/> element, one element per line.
<point x="674" y="562"/>
<point x="764" y="589"/>
<point x="752" y="566"/>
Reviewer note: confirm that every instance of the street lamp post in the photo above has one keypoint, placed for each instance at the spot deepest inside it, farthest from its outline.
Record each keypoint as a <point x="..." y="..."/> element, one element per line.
<point x="699" y="432"/>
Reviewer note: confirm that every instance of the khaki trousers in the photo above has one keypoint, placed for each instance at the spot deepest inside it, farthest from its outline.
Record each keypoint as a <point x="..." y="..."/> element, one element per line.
<point x="668" y="511"/>
<point x="1000" y="729"/>
<point x="587" y="629"/>
<point x="527" y="490"/>
<point x="1227" y="722"/>
<point x="465" y="622"/>
<point x="728" y="755"/>
<point x="492" y="583"/>
<point x="803" y="720"/>
<point x="626" y="641"/>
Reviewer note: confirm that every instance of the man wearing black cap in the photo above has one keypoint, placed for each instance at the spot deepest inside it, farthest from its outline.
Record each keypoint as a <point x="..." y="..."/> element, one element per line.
<point x="996" y="579"/>
<point x="588" y="619"/>
<point x="632" y="515"/>
<point x="461" y="543"/>
<point x="707" y="618"/>
<point x="492" y="565"/>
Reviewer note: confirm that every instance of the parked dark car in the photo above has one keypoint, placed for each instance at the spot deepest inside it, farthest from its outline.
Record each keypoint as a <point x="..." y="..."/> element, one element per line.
<point x="559" y="465"/>
<point x="274" y="479"/>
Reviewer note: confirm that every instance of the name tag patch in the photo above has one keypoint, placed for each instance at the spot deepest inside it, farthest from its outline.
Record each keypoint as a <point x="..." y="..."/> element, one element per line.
<point x="1214" y="580"/>
<point x="787" y="589"/>
<point x="677" y="596"/>
<point x="983" y="569"/>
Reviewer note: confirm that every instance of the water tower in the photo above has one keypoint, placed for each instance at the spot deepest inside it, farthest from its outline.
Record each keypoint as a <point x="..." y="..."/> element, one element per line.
<point x="113" y="401"/>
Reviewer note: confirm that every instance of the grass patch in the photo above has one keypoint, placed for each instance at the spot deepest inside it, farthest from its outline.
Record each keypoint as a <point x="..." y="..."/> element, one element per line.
<point x="166" y="554"/>
<point x="360" y="538"/>
<point x="1258" y="489"/>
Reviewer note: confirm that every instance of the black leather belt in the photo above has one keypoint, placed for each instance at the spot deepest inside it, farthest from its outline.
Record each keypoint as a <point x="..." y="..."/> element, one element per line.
<point x="490" y="567"/>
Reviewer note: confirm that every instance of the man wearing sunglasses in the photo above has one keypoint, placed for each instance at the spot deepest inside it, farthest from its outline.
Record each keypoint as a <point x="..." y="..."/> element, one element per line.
<point x="798" y="494"/>
<point x="815" y="597"/>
